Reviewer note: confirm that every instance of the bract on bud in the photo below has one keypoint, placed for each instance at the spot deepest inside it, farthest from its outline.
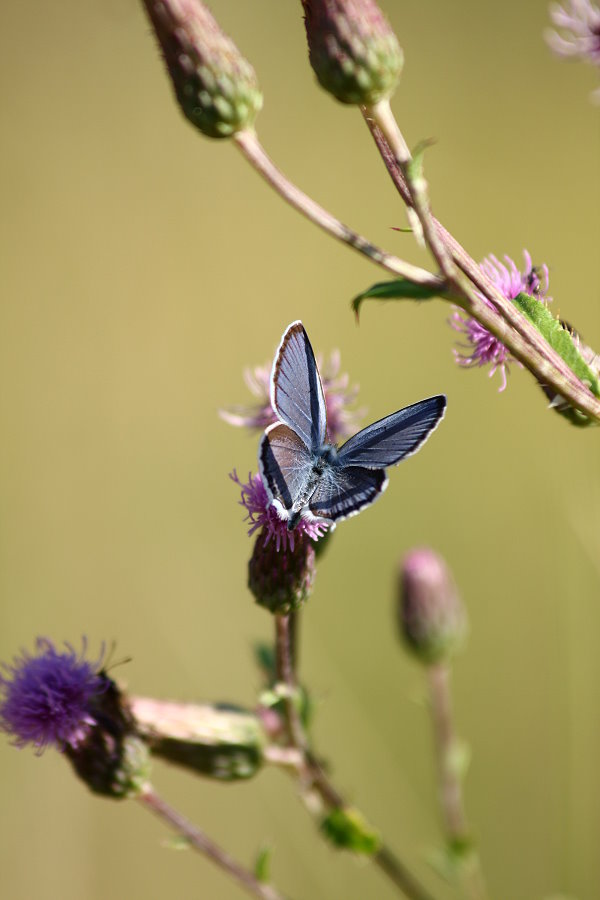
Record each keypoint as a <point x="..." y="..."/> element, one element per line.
<point x="219" y="741"/>
<point x="216" y="87"/>
<point x="352" y="49"/>
<point x="431" y="617"/>
<point x="281" y="579"/>
<point x="111" y="758"/>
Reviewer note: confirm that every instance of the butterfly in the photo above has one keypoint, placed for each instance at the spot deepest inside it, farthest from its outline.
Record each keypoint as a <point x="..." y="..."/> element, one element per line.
<point x="304" y="475"/>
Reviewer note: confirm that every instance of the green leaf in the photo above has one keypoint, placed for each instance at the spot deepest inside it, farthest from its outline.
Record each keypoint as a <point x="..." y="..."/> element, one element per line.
<point x="347" y="829"/>
<point x="262" y="865"/>
<point x="179" y="842"/>
<point x="264" y="654"/>
<point x="415" y="166"/>
<point x="562" y="340"/>
<point x="399" y="289"/>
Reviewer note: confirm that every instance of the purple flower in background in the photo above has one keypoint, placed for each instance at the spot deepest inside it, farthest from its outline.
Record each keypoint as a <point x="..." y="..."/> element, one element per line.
<point x="580" y="38"/>
<point x="46" y="698"/>
<point x="260" y="514"/>
<point x="339" y="396"/>
<point x="483" y="348"/>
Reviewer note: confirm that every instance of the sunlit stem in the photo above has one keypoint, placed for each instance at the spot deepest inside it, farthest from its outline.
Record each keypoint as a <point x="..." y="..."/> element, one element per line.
<point x="252" y="149"/>
<point x="462" y="273"/>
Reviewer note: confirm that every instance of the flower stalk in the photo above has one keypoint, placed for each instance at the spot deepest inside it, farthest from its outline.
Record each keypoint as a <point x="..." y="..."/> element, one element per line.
<point x="298" y="759"/>
<point x="448" y="751"/>
<point x="200" y="842"/>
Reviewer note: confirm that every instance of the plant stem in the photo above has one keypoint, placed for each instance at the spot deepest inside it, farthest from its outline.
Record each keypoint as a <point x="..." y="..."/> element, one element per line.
<point x="519" y="335"/>
<point x="203" y="844"/>
<point x="304" y="764"/>
<point x="252" y="149"/>
<point x="451" y="795"/>
<point x="286" y="676"/>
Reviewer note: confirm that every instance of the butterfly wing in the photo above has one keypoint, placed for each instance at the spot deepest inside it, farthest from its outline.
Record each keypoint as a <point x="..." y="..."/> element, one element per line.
<point x="284" y="462"/>
<point x="387" y="442"/>
<point x="296" y="391"/>
<point x="347" y="491"/>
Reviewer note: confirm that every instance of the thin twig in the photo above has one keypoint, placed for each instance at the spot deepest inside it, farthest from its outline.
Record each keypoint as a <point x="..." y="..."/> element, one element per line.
<point x="519" y="336"/>
<point x="203" y="844"/>
<point x="250" y="146"/>
<point x="451" y="795"/>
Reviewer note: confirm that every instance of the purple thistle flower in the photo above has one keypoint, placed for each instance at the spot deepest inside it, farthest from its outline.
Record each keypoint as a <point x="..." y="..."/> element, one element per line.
<point x="47" y="698"/>
<point x="261" y="514"/>
<point x="342" y="421"/>
<point x="581" y="32"/>
<point x="484" y="348"/>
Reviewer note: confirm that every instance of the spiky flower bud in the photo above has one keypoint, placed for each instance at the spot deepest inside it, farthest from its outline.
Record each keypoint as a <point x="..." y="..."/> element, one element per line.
<point x="431" y="617"/>
<point x="216" y="87"/>
<point x="352" y="49"/>
<point x="219" y="741"/>
<point x="281" y="579"/>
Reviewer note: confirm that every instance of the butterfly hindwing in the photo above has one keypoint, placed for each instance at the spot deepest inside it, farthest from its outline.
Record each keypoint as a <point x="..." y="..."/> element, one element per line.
<point x="392" y="439"/>
<point x="347" y="491"/>
<point x="296" y="391"/>
<point x="284" y="463"/>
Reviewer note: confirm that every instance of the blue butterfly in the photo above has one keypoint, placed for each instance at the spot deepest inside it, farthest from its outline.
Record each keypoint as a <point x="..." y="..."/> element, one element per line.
<point x="307" y="477"/>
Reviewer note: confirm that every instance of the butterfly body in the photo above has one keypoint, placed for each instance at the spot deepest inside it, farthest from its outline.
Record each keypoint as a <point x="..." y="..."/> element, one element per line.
<point x="306" y="476"/>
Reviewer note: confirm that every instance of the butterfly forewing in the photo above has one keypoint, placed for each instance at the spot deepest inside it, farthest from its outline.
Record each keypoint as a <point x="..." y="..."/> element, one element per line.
<point x="390" y="440"/>
<point x="296" y="390"/>
<point x="284" y="463"/>
<point x="346" y="492"/>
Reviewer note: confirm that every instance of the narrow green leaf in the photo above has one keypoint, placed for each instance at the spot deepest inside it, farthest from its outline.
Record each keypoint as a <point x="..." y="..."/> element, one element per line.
<point x="399" y="289"/>
<point x="262" y="865"/>
<point x="566" y="345"/>
<point x="347" y="829"/>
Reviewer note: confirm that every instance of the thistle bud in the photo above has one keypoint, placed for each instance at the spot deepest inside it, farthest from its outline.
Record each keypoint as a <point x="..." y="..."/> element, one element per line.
<point x="219" y="741"/>
<point x="352" y="50"/>
<point x="431" y="617"/>
<point x="216" y="87"/>
<point x="111" y="758"/>
<point x="281" y="579"/>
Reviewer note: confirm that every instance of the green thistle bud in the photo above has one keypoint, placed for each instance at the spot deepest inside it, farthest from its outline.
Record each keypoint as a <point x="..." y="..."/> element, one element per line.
<point x="431" y="617"/>
<point x="352" y="49"/>
<point x="281" y="579"/>
<point x="219" y="741"/>
<point x="112" y="758"/>
<point x="216" y="87"/>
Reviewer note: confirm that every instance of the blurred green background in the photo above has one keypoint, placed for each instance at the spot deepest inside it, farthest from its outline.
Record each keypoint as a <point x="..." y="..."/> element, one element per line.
<point x="142" y="268"/>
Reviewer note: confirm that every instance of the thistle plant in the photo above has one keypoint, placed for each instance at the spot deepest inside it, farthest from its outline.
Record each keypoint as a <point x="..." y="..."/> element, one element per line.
<point x="501" y="318"/>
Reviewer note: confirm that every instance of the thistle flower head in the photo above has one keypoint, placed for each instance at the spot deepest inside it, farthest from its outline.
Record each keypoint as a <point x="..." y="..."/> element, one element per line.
<point x="60" y="699"/>
<point x="262" y="515"/>
<point x="352" y="49"/>
<point x="482" y="347"/>
<point x="340" y="395"/>
<point x="579" y="37"/>
<point x="47" y="698"/>
<point x="215" y="86"/>
<point x="431" y="617"/>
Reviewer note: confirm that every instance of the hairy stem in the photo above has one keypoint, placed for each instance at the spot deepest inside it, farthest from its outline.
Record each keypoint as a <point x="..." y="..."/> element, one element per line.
<point x="252" y="149"/>
<point x="286" y="676"/>
<point x="203" y="844"/>
<point x="451" y="795"/>
<point x="503" y="320"/>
